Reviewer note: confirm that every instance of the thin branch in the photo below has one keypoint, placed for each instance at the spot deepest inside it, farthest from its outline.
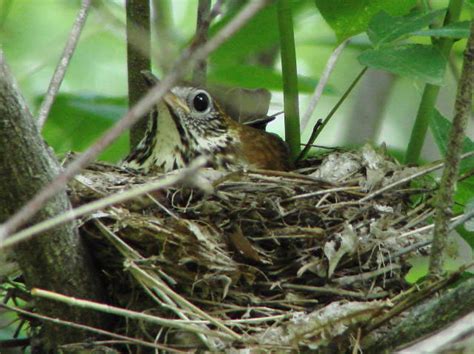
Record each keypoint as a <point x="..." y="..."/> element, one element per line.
<point x="430" y="92"/>
<point x="290" y="76"/>
<point x="138" y="59"/>
<point x="463" y="218"/>
<point x="318" y="91"/>
<point x="184" y="325"/>
<point x="318" y="128"/>
<point x="163" y="24"/>
<point x="165" y="300"/>
<point x="166" y="182"/>
<point x="427" y="317"/>
<point x="448" y="340"/>
<point x="89" y="329"/>
<point x="142" y="107"/>
<point x="183" y="302"/>
<point x="202" y="26"/>
<point x="422" y="172"/>
<point x="63" y="64"/>
<point x="444" y="201"/>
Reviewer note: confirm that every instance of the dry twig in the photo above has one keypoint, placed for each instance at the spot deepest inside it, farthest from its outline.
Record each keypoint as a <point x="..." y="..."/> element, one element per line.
<point x="61" y="68"/>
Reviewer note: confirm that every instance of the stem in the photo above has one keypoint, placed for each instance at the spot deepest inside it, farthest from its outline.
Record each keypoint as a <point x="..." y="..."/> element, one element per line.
<point x="184" y="325"/>
<point x="57" y="321"/>
<point x="318" y="128"/>
<point x="290" y="77"/>
<point x="138" y="59"/>
<point x="202" y="26"/>
<point x="163" y="25"/>
<point x="462" y="108"/>
<point x="63" y="64"/>
<point x="318" y="91"/>
<point x="430" y="93"/>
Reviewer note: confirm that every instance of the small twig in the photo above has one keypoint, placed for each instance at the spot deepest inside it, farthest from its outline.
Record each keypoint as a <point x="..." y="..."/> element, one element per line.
<point x="142" y="107"/>
<point x="462" y="219"/>
<point x="325" y="290"/>
<point x="113" y="310"/>
<point x="204" y="18"/>
<point x="129" y="253"/>
<point x="170" y="297"/>
<point x="318" y="128"/>
<point x="410" y="302"/>
<point x="61" y="68"/>
<point x="350" y="279"/>
<point x="85" y="209"/>
<point x="426" y="228"/>
<point x="444" y="199"/>
<point x="90" y="329"/>
<point x="318" y="91"/>
<point x="185" y="303"/>
<point x="422" y="172"/>
<point x="202" y="26"/>
<point x="324" y="191"/>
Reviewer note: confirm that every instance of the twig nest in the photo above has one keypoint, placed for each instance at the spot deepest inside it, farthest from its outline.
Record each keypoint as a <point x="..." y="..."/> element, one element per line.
<point x="260" y="243"/>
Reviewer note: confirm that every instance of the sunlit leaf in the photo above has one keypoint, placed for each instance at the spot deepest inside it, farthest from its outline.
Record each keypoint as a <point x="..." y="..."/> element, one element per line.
<point x="384" y="28"/>
<point x="351" y="17"/>
<point x="453" y="30"/>
<point x="421" y="62"/>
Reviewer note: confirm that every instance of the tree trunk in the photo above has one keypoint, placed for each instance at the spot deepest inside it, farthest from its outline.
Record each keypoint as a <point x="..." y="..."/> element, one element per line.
<point x="56" y="260"/>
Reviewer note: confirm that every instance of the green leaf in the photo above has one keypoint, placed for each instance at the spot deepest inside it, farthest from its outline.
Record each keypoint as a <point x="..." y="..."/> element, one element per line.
<point x="440" y="128"/>
<point x="258" y="77"/>
<point x="350" y="17"/>
<point x="453" y="30"/>
<point x="421" y="62"/>
<point x="258" y="35"/>
<point x="76" y="121"/>
<point x="384" y="28"/>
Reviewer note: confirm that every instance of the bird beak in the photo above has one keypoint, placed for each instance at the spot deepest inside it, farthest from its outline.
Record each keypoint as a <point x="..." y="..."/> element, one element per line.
<point x="175" y="103"/>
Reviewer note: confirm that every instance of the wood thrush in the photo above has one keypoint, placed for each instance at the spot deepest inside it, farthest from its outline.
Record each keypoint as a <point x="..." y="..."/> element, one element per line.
<point x="190" y="123"/>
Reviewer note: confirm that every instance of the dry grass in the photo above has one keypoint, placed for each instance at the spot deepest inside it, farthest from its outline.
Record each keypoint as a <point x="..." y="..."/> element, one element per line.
<point x="266" y="259"/>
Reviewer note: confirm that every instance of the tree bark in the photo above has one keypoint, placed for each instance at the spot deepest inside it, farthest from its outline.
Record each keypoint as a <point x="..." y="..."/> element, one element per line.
<point x="56" y="260"/>
<point x="138" y="59"/>
<point x="422" y="320"/>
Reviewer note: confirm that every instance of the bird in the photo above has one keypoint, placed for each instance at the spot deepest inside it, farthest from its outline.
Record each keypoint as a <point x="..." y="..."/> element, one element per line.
<point x="189" y="123"/>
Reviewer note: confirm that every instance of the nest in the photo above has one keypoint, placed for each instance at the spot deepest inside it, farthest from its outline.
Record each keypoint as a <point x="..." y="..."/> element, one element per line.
<point x="262" y="259"/>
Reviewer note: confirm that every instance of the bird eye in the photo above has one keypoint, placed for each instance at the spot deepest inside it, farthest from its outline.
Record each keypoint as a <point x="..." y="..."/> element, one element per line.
<point x="201" y="102"/>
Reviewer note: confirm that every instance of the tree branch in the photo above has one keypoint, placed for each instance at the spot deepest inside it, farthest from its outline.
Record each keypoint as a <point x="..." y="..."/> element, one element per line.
<point x="59" y="261"/>
<point x="138" y="59"/>
<point x="444" y="202"/>
<point x="323" y="80"/>
<point x="202" y="26"/>
<point x="61" y="68"/>
<point x="423" y="319"/>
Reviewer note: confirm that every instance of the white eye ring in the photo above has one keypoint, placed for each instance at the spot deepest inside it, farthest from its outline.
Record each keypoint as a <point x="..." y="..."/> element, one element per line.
<point x="200" y="102"/>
